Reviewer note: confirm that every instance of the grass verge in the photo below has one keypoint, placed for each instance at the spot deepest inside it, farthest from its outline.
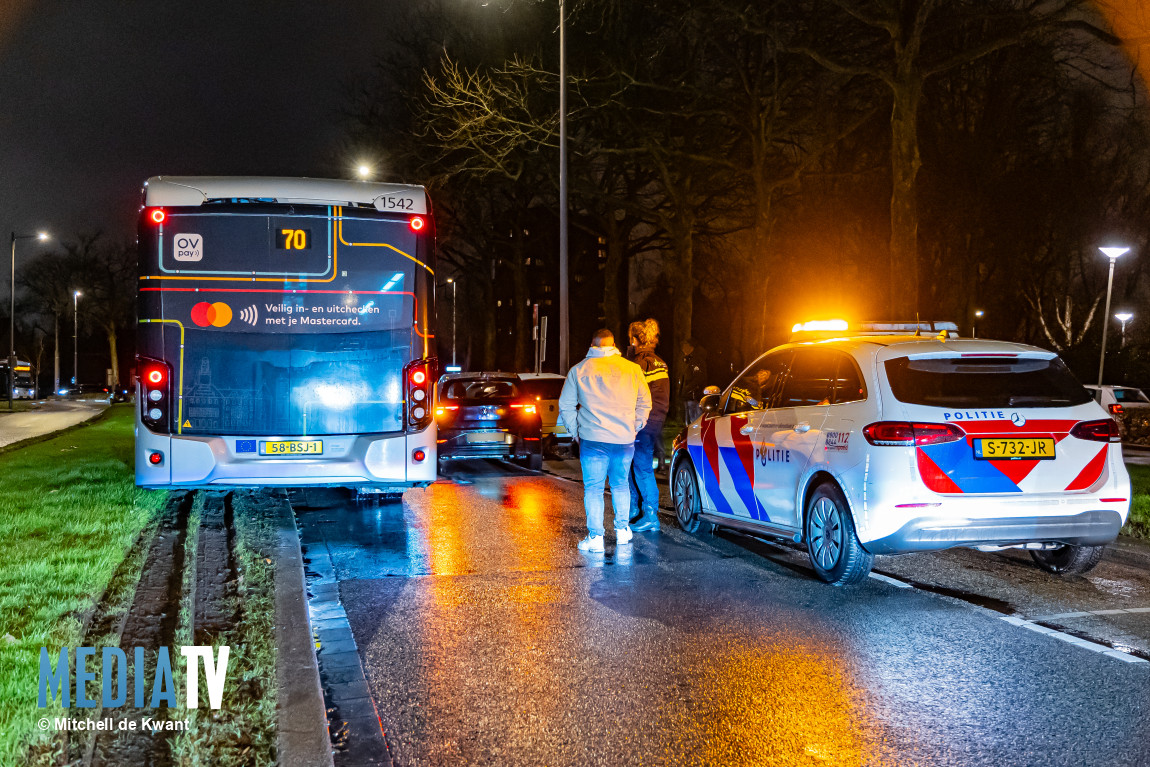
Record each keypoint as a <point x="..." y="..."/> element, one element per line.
<point x="1138" y="524"/>
<point x="69" y="512"/>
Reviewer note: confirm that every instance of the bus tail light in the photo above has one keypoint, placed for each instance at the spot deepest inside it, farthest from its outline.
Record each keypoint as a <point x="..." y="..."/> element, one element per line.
<point x="901" y="433"/>
<point x="155" y="457"/>
<point x="418" y="456"/>
<point x="155" y="395"/>
<point x="157" y="215"/>
<point x="417" y="223"/>
<point x="420" y="376"/>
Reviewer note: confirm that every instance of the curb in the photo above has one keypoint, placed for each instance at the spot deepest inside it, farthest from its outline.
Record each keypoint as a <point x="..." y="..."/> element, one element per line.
<point x="301" y="716"/>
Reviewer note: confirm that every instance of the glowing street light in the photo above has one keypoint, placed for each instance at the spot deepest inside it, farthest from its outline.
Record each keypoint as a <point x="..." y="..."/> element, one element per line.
<point x="974" y="327"/>
<point x="1112" y="253"/>
<point x="363" y="171"/>
<point x="1123" y="317"/>
<point x="76" y="337"/>
<point x="42" y="237"/>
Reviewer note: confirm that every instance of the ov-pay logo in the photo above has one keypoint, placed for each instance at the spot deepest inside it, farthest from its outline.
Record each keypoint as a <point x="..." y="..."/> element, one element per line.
<point x="188" y="247"/>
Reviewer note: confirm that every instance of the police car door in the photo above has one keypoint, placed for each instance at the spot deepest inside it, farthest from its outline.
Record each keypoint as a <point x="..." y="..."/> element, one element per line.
<point x="726" y="460"/>
<point x="792" y="430"/>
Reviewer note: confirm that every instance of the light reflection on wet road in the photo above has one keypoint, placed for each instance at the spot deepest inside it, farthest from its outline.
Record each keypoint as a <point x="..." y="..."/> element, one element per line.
<point x="487" y="638"/>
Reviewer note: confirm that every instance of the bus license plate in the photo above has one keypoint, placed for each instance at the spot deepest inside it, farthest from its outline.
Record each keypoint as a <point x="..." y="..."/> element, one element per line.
<point x="1041" y="448"/>
<point x="292" y="447"/>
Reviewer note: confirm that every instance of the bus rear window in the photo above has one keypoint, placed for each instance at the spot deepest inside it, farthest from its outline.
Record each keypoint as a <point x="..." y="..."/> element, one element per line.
<point x="977" y="382"/>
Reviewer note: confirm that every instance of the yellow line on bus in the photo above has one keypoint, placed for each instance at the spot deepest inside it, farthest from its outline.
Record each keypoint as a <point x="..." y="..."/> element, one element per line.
<point x="180" y="398"/>
<point x="339" y="235"/>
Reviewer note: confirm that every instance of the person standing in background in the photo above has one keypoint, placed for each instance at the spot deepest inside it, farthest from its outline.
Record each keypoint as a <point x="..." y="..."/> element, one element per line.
<point x="604" y="404"/>
<point x="644" y="337"/>
<point x="693" y="378"/>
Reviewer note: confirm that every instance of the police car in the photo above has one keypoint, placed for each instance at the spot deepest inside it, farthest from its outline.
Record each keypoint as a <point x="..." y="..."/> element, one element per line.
<point x="888" y="439"/>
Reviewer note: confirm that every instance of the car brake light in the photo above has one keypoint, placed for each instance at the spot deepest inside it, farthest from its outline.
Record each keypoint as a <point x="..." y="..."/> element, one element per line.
<point x="526" y="408"/>
<point x="1105" y="430"/>
<point x="902" y="433"/>
<point x="1115" y="408"/>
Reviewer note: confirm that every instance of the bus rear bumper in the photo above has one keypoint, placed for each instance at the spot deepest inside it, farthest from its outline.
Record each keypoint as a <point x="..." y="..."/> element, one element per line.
<point x="347" y="460"/>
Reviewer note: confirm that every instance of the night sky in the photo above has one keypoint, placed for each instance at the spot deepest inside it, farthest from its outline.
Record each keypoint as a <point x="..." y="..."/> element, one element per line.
<point x="97" y="96"/>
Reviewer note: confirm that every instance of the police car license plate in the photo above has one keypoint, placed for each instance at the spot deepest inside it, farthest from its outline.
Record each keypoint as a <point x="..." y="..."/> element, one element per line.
<point x="1029" y="448"/>
<point x="292" y="447"/>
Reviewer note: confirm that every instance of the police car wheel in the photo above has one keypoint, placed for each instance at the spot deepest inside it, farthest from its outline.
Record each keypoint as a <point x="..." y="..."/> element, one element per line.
<point x="686" y="496"/>
<point x="835" y="552"/>
<point x="1068" y="560"/>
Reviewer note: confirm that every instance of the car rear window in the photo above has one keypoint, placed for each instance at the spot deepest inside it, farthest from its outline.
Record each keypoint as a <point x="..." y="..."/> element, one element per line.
<point x="543" y="388"/>
<point x="1130" y="395"/>
<point x="973" y="382"/>
<point x="479" y="389"/>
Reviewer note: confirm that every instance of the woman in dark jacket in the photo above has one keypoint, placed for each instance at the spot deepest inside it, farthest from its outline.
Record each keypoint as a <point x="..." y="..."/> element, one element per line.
<point x="644" y="336"/>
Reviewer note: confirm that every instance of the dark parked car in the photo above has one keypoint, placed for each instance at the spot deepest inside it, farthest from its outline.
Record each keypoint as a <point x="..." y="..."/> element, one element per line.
<point x="487" y="415"/>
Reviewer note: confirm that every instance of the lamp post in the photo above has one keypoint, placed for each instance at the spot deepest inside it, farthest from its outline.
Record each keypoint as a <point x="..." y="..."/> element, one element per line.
<point x="564" y="326"/>
<point x="974" y="327"/>
<point x="1123" y="317"/>
<point x="451" y="282"/>
<point x="1112" y="254"/>
<point x="76" y="337"/>
<point x="12" y="312"/>
<point x="363" y="171"/>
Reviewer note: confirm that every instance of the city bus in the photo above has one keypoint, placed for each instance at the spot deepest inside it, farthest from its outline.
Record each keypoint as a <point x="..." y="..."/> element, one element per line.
<point x="23" y="385"/>
<point x="286" y="329"/>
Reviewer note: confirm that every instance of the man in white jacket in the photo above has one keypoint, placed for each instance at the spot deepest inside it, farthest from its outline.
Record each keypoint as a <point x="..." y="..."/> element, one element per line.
<point x="604" y="403"/>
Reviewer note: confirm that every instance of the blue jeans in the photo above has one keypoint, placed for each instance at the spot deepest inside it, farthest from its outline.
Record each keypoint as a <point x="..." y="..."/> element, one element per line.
<point x="601" y="461"/>
<point x="644" y="489"/>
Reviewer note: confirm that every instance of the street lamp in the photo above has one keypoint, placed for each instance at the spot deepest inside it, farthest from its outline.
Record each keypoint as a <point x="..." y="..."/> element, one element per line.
<point x="363" y="171"/>
<point x="1123" y="317"/>
<point x="974" y="328"/>
<point x="451" y="282"/>
<point x="76" y="337"/>
<point x="1112" y="254"/>
<point x="42" y="236"/>
<point x="564" y="326"/>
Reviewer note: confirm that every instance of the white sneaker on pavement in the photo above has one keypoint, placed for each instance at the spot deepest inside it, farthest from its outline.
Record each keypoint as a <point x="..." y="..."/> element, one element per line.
<point x="622" y="535"/>
<point x="591" y="543"/>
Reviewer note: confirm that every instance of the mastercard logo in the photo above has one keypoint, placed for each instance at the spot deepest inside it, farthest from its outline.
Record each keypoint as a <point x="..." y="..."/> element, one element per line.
<point x="217" y="315"/>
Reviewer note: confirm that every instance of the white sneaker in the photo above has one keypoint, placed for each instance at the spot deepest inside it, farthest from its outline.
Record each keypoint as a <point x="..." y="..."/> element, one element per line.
<point x="591" y="543"/>
<point x="622" y="535"/>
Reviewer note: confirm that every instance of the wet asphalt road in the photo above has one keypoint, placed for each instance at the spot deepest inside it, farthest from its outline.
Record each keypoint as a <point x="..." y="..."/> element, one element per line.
<point x="487" y="638"/>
